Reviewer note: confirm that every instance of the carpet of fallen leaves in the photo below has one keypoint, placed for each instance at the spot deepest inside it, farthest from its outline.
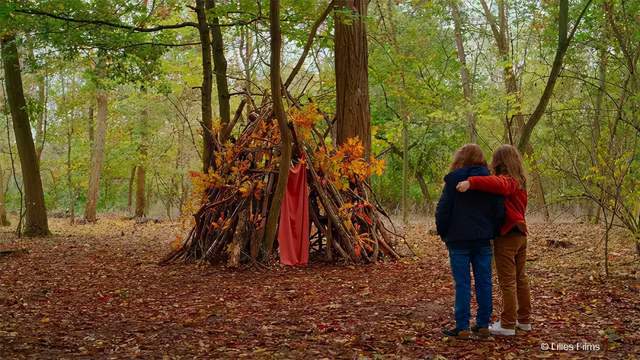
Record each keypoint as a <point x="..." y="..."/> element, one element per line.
<point x="95" y="291"/>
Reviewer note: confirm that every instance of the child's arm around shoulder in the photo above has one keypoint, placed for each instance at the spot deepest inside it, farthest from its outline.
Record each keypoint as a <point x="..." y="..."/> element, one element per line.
<point x="502" y="185"/>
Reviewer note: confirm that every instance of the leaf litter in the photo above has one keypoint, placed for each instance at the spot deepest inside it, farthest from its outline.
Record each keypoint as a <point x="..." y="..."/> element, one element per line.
<point x="97" y="291"/>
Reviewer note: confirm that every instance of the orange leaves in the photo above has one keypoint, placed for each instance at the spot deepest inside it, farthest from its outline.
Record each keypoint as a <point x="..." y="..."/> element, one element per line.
<point x="346" y="164"/>
<point x="304" y="119"/>
<point x="241" y="168"/>
<point x="359" y="168"/>
<point x="352" y="149"/>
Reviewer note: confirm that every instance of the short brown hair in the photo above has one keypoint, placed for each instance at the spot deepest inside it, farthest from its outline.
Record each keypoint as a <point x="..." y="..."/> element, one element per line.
<point x="508" y="161"/>
<point x="468" y="155"/>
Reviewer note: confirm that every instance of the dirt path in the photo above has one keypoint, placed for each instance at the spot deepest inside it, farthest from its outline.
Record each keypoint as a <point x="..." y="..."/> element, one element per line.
<point x="96" y="292"/>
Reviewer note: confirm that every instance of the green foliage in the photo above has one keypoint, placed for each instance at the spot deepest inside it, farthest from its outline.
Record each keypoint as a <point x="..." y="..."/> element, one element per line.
<point x="414" y="76"/>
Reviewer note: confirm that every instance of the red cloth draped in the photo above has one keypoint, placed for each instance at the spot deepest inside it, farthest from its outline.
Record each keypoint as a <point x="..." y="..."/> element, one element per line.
<point x="293" y="230"/>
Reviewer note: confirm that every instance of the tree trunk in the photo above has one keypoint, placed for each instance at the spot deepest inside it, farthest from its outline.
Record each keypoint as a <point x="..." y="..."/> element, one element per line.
<point x="147" y="203"/>
<point x="207" y="80"/>
<point x="278" y="110"/>
<point x="181" y="188"/>
<point x="36" y="223"/>
<point x="220" y="70"/>
<point x="42" y="116"/>
<point x="130" y="189"/>
<point x="426" y="196"/>
<point x="98" y="156"/>
<point x="353" y="118"/>
<point x="467" y="90"/>
<point x="142" y="161"/>
<point x="91" y="129"/>
<point x="3" y="191"/>
<point x="246" y="55"/>
<point x="405" y="170"/>
<point x="525" y="131"/>
<point x="595" y="125"/>
<point x="499" y="29"/>
<point x="72" y="194"/>
<point x="140" y="193"/>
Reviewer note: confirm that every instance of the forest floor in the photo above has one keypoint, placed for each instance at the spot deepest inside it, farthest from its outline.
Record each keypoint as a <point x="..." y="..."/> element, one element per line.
<point x="95" y="291"/>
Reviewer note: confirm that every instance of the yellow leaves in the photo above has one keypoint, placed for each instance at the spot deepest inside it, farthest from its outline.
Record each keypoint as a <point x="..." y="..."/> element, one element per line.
<point x="201" y="182"/>
<point x="360" y="168"/>
<point x="341" y="184"/>
<point x="377" y="166"/>
<point x="249" y="188"/>
<point x="346" y="207"/>
<point x="245" y="189"/>
<point x="304" y="119"/>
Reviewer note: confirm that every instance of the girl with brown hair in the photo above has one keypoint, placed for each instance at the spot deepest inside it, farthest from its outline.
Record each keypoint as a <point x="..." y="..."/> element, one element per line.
<point x="467" y="223"/>
<point x="510" y="248"/>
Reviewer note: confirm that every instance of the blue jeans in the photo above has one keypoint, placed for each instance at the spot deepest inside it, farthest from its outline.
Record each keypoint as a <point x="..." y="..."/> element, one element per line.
<point x="480" y="260"/>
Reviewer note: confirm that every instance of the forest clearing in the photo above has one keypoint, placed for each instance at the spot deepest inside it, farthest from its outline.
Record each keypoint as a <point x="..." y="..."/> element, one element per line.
<point x="300" y="179"/>
<point x="97" y="291"/>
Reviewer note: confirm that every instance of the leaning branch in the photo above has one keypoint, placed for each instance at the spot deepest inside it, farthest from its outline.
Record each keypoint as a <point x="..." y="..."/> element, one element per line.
<point x="564" y="41"/>
<point x="106" y="23"/>
<point x="307" y="46"/>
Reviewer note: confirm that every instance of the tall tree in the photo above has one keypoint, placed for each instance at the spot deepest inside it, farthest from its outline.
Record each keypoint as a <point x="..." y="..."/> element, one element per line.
<point x="207" y="85"/>
<point x="278" y="112"/>
<point x="467" y="88"/>
<point x="500" y="30"/>
<point x="564" y="40"/>
<point x="353" y="117"/>
<point x="220" y="69"/>
<point x="142" y="160"/>
<point x="97" y="153"/>
<point x="41" y="122"/>
<point x="3" y="190"/>
<point x="36" y="223"/>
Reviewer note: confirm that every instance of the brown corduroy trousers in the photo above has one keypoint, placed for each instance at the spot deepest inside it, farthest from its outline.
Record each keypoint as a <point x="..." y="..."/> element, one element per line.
<point x="510" y="252"/>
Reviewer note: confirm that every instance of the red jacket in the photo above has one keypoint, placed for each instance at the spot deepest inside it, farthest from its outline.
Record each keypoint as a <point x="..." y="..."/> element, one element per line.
<point x="515" y="199"/>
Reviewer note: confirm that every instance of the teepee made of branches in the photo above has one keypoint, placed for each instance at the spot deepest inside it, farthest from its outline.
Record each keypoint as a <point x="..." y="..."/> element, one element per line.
<point x="347" y="223"/>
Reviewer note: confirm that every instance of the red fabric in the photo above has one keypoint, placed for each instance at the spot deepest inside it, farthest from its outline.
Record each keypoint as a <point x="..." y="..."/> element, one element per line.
<point x="293" y="231"/>
<point x="515" y="199"/>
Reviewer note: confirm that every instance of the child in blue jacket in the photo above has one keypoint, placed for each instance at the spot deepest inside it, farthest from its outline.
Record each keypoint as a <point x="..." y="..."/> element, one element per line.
<point x="467" y="222"/>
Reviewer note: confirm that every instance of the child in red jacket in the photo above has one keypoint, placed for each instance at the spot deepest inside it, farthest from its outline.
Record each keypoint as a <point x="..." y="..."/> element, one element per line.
<point x="510" y="248"/>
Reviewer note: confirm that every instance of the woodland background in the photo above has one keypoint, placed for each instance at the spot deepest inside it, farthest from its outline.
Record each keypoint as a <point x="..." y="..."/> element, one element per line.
<point x="120" y="82"/>
<point x="123" y="104"/>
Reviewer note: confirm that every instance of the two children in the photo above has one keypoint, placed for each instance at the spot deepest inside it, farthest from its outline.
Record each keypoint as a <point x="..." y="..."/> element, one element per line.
<point x="468" y="220"/>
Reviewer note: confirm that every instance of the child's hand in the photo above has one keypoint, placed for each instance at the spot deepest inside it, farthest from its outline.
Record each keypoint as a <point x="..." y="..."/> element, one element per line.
<point x="463" y="186"/>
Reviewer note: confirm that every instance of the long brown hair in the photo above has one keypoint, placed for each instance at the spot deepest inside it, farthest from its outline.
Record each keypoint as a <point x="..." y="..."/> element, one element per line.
<point x="508" y="161"/>
<point x="468" y="155"/>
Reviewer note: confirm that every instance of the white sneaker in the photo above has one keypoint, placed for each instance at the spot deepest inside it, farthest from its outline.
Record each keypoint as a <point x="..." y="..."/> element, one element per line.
<point x="497" y="329"/>
<point x="523" y="327"/>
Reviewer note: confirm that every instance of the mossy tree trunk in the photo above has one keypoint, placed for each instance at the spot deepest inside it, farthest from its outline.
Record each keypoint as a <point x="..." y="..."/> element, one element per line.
<point x="36" y="223"/>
